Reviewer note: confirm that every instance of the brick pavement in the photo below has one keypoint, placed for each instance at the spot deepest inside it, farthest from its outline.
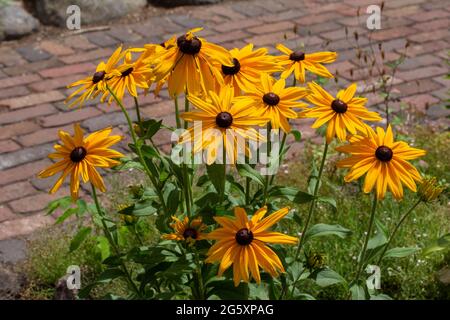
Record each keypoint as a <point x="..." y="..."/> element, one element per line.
<point x="33" y="75"/>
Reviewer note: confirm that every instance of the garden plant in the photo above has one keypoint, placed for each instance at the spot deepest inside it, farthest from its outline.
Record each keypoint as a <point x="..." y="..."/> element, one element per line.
<point x="227" y="230"/>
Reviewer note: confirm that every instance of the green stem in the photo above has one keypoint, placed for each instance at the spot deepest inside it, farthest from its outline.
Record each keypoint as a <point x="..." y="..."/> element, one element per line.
<point x="247" y="190"/>
<point x="362" y="256"/>
<point x="136" y="233"/>
<point x="397" y="226"/>
<point x="294" y="82"/>
<point x="139" y="151"/>
<point x="283" y="142"/>
<point x="138" y="112"/>
<point x="201" y="288"/>
<point x="313" y="202"/>
<point x="177" y="112"/>
<point x="269" y="149"/>
<point x="186" y="109"/>
<point x="112" y="242"/>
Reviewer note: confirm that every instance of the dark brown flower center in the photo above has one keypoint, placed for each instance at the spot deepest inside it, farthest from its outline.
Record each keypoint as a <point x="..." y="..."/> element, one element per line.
<point x="127" y="72"/>
<point x="78" y="154"/>
<point x="339" y="106"/>
<point x="163" y="44"/>
<point x="98" y="76"/>
<point x="271" y="99"/>
<point x="224" y="119"/>
<point x="297" y="56"/>
<point x="186" y="46"/>
<point x="384" y="153"/>
<point x="229" y="71"/>
<point x="190" y="233"/>
<point x="244" y="237"/>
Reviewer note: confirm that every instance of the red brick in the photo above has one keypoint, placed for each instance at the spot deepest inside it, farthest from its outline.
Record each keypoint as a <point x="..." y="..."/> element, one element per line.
<point x="236" y="24"/>
<point x="16" y="191"/>
<point x="8" y="146"/>
<point x="16" y="129"/>
<point x="9" y="57"/>
<point x="429" y="35"/>
<point x="33" y="99"/>
<point x="226" y="12"/>
<point x="19" y="80"/>
<point x="399" y="32"/>
<point x="6" y="214"/>
<point x="55" y="83"/>
<point x="36" y="202"/>
<point x="55" y="48"/>
<point x="78" y="42"/>
<point x="281" y="16"/>
<point x="416" y="87"/>
<point x="228" y="36"/>
<point x="271" y="38"/>
<point x="427" y="47"/>
<point x="32" y="67"/>
<point x="26" y="113"/>
<point x="23" y="172"/>
<point x="433" y="25"/>
<point x="158" y="110"/>
<point x="420" y="73"/>
<point x="23" y="226"/>
<point x="41" y="136"/>
<point x="316" y="18"/>
<point x="430" y="15"/>
<point x="339" y="33"/>
<point x="402" y="12"/>
<point x="421" y="101"/>
<point x="69" y="117"/>
<point x="68" y="70"/>
<point x="87" y="56"/>
<point x="420" y="61"/>
<point x="272" y="27"/>
<point x="14" y="92"/>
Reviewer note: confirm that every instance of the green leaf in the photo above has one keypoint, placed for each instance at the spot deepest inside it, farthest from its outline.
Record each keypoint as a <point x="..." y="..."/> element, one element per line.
<point x="322" y="229"/>
<point x="110" y="274"/>
<point x="69" y="212"/>
<point x="247" y="171"/>
<point x="216" y="173"/>
<point x="226" y="290"/>
<point x="79" y="238"/>
<point x="63" y="202"/>
<point x="330" y="200"/>
<point x="400" y="252"/>
<point x="297" y="135"/>
<point x="358" y="292"/>
<point x="103" y="247"/>
<point x="151" y="127"/>
<point x="328" y="277"/>
<point x="439" y="244"/>
<point x="149" y="151"/>
<point x="291" y="194"/>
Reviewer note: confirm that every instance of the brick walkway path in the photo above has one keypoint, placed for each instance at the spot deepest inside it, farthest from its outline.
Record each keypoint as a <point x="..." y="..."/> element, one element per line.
<point x="33" y="75"/>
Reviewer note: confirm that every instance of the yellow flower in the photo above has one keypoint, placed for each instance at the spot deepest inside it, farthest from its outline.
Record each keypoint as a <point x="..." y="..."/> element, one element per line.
<point x="185" y="230"/>
<point x="247" y="69"/>
<point x="383" y="160"/>
<point x="130" y="75"/>
<point x="298" y="62"/>
<point x="79" y="156"/>
<point x="274" y="101"/>
<point x="219" y="115"/>
<point x="188" y="65"/>
<point x="242" y="243"/>
<point x="345" y="112"/>
<point x="95" y="84"/>
<point x="429" y="189"/>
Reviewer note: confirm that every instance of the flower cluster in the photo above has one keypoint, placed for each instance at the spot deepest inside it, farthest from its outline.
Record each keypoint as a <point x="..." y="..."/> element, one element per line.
<point x="233" y="92"/>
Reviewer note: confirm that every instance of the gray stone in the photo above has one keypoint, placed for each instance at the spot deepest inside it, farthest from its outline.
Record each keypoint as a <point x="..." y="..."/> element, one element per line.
<point x="175" y="3"/>
<point x="11" y="284"/>
<point x="55" y="12"/>
<point x="12" y="250"/>
<point x="15" y="22"/>
<point x="444" y="276"/>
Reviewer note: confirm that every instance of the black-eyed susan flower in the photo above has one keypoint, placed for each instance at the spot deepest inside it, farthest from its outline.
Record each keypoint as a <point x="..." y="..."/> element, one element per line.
<point x="429" y="189"/>
<point x="222" y="123"/>
<point x="185" y="230"/>
<point x="341" y="114"/>
<point x="188" y="66"/>
<point x="299" y="61"/>
<point x="272" y="100"/>
<point x="242" y="242"/>
<point x="129" y="76"/>
<point x="93" y="85"/>
<point x="384" y="161"/>
<point x="79" y="157"/>
<point x="247" y="68"/>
